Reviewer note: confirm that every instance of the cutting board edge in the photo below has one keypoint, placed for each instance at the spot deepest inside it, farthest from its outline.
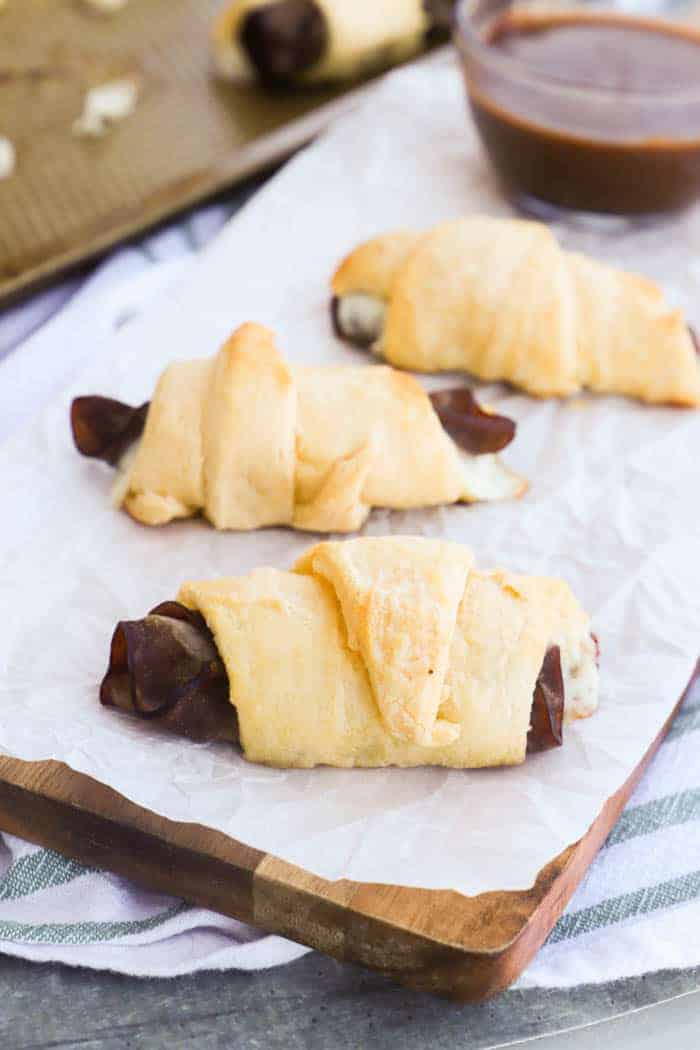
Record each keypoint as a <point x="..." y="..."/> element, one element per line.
<point x="407" y="934"/>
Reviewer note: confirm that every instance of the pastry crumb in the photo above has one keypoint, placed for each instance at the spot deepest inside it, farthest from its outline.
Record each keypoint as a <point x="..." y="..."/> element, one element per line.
<point x="8" y="156"/>
<point x="104" y="105"/>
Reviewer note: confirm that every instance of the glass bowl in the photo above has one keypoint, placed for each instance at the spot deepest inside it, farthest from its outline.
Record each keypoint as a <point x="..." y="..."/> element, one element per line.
<point x="580" y="138"/>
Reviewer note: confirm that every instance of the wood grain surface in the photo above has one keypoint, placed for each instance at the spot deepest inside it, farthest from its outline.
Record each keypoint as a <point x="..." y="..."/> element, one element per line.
<point x="189" y="136"/>
<point x="467" y="948"/>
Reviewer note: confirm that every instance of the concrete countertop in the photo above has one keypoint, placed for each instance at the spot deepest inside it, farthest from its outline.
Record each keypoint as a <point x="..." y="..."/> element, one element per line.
<point x="318" y="1004"/>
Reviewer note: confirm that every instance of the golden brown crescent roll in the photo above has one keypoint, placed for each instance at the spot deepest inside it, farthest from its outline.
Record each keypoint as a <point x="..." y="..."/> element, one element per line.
<point x="391" y="651"/>
<point x="500" y="299"/>
<point x="317" y="41"/>
<point x="249" y="441"/>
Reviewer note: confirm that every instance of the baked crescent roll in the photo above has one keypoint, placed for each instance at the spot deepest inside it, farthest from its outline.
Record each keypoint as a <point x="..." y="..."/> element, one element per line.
<point x="316" y="41"/>
<point x="500" y="299"/>
<point x="371" y="652"/>
<point x="249" y="441"/>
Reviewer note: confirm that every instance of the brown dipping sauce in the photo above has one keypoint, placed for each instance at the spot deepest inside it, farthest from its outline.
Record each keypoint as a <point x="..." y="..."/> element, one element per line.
<point x="553" y="135"/>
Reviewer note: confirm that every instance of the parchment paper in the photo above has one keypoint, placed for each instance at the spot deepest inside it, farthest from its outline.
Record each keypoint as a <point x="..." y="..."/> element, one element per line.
<point x="613" y="507"/>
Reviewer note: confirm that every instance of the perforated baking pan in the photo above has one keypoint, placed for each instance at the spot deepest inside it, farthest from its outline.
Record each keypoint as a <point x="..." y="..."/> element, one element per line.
<point x="188" y="137"/>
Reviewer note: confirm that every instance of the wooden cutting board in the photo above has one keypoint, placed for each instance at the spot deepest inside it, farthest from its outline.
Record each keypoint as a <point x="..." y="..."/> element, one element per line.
<point x="467" y="948"/>
<point x="189" y="136"/>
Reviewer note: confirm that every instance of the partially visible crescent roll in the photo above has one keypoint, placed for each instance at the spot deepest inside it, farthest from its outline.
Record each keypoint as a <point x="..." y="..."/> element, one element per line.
<point x="316" y="41"/>
<point x="500" y="299"/>
<point x="250" y="441"/>
<point x="392" y="651"/>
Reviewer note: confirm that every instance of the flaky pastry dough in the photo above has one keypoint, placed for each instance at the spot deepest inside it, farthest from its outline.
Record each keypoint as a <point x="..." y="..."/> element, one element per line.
<point x="500" y="298"/>
<point x="250" y="441"/>
<point x="391" y="651"/>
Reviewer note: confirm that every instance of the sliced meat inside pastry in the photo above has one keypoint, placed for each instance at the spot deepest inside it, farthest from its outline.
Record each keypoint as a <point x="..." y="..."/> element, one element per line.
<point x="371" y="652"/>
<point x="249" y="441"/>
<point x="500" y="299"/>
<point x="319" y="41"/>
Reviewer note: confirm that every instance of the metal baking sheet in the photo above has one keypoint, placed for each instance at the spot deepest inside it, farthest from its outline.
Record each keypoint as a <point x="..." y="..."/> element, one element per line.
<point x="189" y="136"/>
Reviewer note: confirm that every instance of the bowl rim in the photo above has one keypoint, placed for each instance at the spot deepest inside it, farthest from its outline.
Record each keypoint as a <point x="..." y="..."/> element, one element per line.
<point x="467" y="37"/>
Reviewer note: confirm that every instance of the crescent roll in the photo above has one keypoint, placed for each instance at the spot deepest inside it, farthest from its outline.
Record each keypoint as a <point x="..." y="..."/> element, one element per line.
<point x="370" y="652"/>
<point x="249" y="441"/>
<point x="501" y="299"/>
<point x="317" y="41"/>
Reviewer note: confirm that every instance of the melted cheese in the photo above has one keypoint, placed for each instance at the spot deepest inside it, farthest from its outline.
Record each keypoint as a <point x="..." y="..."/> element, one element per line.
<point x="580" y="673"/>
<point x="361" y="317"/>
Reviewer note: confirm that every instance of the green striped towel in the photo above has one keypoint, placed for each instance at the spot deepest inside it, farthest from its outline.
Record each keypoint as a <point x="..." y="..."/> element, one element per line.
<point x="637" y="910"/>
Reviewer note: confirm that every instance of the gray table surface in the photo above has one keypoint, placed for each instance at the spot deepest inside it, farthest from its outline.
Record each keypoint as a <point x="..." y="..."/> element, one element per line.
<point x="318" y="1004"/>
